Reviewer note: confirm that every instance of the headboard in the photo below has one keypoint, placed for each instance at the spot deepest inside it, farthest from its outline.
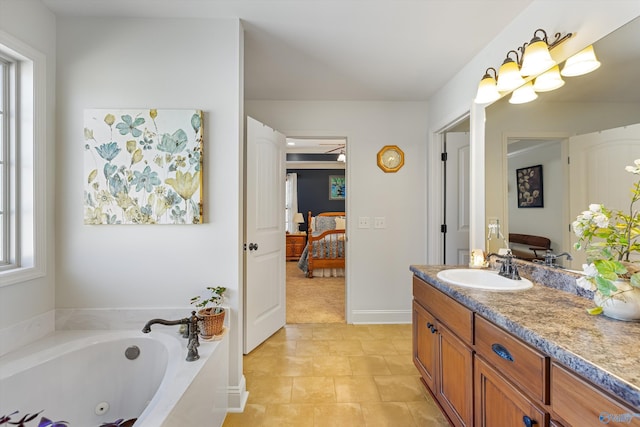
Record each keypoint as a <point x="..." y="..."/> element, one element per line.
<point x="329" y="215"/>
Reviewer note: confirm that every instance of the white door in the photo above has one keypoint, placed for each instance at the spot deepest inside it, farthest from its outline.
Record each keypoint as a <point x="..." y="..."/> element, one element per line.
<point x="597" y="173"/>
<point x="456" y="214"/>
<point x="265" y="285"/>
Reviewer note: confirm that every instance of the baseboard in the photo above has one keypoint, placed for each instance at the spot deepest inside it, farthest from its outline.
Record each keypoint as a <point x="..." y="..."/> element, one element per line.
<point x="238" y="396"/>
<point x="380" y="316"/>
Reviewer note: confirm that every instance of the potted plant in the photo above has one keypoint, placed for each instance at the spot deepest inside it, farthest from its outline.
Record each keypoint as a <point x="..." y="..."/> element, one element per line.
<point x="610" y="239"/>
<point x="211" y="311"/>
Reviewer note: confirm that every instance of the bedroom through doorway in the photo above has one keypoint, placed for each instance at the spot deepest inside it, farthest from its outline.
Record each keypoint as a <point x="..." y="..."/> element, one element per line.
<point x="316" y="183"/>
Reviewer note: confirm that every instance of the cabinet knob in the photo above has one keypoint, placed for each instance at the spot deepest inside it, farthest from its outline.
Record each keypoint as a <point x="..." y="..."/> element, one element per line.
<point x="528" y="422"/>
<point x="432" y="327"/>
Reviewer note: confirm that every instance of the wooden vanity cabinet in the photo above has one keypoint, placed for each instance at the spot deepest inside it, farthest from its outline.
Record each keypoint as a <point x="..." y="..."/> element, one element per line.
<point x="577" y="402"/>
<point x="444" y="358"/>
<point x="481" y="375"/>
<point x="499" y="403"/>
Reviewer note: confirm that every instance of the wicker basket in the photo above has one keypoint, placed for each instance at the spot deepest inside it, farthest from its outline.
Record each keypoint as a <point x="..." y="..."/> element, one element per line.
<point x="211" y="324"/>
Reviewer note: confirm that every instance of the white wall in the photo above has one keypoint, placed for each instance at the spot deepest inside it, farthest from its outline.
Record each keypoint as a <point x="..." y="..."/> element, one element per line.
<point x="378" y="277"/>
<point x="589" y="20"/>
<point x="34" y="25"/>
<point x="161" y="63"/>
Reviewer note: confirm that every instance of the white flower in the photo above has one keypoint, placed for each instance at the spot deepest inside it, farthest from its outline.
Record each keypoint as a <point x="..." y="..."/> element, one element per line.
<point x="632" y="169"/>
<point x="586" y="215"/>
<point x="601" y="220"/>
<point x="578" y="228"/>
<point x="589" y="270"/>
<point x="584" y="283"/>
<point x="595" y="207"/>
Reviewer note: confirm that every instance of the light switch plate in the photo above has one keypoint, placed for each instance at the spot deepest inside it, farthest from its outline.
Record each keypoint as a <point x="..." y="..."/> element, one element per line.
<point x="363" y="222"/>
<point x="380" y="222"/>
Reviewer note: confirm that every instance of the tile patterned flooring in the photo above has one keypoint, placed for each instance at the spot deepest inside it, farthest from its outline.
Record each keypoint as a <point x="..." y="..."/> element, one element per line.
<point x="336" y="375"/>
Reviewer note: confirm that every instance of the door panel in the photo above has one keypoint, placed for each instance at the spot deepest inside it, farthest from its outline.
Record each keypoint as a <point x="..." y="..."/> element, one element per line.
<point x="265" y="307"/>
<point x="597" y="174"/>
<point x="457" y="199"/>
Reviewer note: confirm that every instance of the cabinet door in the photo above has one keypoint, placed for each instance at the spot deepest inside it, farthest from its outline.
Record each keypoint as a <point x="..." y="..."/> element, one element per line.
<point x="498" y="403"/>
<point x="424" y="344"/>
<point x="578" y="403"/>
<point x="455" y="381"/>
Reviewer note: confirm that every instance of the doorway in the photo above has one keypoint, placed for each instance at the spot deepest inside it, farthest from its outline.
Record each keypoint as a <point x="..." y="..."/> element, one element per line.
<point x="311" y="165"/>
<point x="455" y="157"/>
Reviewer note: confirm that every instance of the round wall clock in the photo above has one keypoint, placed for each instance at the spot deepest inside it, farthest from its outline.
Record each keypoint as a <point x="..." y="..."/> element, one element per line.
<point x="390" y="158"/>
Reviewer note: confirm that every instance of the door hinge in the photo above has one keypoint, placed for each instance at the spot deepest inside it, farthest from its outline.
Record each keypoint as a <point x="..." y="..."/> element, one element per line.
<point x="443" y="228"/>
<point x="443" y="157"/>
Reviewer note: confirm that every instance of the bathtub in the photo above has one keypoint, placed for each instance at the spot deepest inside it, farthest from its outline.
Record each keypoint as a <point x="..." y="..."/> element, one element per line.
<point x="86" y="379"/>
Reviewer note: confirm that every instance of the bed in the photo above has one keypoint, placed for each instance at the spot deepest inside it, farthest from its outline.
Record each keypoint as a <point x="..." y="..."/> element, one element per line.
<point x="324" y="255"/>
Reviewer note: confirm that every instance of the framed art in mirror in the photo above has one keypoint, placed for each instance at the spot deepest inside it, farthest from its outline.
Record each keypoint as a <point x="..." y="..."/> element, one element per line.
<point x="529" y="184"/>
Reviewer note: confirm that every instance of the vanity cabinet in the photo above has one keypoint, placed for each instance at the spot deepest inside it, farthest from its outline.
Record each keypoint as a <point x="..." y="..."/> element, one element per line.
<point x="575" y="401"/>
<point x="442" y="351"/>
<point x="481" y="375"/>
<point x="499" y="403"/>
<point x="511" y="379"/>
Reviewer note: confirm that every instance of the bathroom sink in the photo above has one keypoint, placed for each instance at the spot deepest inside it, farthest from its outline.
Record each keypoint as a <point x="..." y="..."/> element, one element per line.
<point x="482" y="279"/>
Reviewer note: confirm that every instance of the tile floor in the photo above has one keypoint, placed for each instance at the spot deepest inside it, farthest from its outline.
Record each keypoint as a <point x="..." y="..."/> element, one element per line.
<point x="336" y="375"/>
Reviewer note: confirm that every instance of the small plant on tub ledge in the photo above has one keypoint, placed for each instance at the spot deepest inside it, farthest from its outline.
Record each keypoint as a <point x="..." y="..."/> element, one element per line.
<point x="610" y="239"/>
<point x="211" y="312"/>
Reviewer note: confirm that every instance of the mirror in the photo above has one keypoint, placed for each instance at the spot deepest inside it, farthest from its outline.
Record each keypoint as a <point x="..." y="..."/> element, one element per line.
<point x="539" y="133"/>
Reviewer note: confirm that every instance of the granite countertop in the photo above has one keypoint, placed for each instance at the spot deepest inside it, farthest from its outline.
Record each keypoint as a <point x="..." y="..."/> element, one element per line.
<point x="555" y="321"/>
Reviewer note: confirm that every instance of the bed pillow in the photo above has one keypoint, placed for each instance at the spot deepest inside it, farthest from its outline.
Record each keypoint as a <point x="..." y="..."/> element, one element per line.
<point x="324" y="223"/>
<point x="341" y="223"/>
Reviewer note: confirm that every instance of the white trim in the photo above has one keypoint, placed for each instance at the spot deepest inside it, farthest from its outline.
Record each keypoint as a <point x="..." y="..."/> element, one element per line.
<point x="26" y="332"/>
<point x="381" y="316"/>
<point x="237" y="396"/>
<point x="33" y="66"/>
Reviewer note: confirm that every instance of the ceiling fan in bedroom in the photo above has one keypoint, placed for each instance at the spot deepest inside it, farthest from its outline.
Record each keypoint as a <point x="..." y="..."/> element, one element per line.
<point x="342" y="157"/>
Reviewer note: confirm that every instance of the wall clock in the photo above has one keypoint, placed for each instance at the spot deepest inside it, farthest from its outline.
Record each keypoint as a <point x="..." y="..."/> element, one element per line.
<point x="390" y="158"/>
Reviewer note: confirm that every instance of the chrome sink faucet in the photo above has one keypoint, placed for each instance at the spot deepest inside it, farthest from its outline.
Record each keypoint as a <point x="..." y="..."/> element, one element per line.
<point x="507" y="268"/>
<point x="550" y="258"/>
<point x="191" y="332"/>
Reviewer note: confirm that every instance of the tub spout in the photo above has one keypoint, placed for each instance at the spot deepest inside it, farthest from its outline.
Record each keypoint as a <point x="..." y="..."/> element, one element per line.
<point x="191" y="332"/>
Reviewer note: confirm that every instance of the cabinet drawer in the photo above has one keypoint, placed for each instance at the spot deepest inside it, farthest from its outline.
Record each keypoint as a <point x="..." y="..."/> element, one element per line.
<point x="528" y="368"/>
<point x="578" y="403"/>
<point x="456" y="316"/>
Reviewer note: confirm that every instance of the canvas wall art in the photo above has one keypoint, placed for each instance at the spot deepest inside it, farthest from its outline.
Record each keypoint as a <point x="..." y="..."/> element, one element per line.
<point x="143" y="166"/>
<point x="337" y="187"/>
<point x="530" y="187"/>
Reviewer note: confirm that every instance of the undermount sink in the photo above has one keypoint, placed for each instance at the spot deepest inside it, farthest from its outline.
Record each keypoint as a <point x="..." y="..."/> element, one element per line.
<point x="483" y="279"/>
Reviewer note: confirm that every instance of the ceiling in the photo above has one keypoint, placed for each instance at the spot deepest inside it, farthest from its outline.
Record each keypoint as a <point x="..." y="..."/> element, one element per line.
<point x="389" y="50"/>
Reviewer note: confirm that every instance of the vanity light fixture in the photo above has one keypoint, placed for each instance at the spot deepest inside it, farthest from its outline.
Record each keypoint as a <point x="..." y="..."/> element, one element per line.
<point x="523" y="94"/>
<point x="581" y="63"/>
<point x="509" y="76"/>
<point x="487" y="90"/>
<point x="549" y="80"/>
<point x="534" y="61"/>
<point x="536" y="57"/>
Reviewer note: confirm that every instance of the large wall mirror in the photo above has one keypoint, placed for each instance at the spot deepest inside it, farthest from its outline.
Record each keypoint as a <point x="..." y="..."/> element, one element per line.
<point x="594" y="112"/>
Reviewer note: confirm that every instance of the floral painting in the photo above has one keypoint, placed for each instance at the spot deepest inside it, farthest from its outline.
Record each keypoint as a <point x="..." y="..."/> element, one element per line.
<point x="143" y="166"/>
<point x="530" y="187"/>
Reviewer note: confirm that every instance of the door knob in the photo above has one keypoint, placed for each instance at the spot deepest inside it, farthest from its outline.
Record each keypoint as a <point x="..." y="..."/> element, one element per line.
<point x="253" y="246"/>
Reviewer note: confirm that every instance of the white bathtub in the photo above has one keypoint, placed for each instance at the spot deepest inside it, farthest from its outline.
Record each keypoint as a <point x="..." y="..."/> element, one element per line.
<point x="84" y="378"/>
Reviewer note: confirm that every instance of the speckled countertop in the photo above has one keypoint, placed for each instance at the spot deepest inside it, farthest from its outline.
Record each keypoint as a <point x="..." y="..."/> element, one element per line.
<point x="555" y="321"/>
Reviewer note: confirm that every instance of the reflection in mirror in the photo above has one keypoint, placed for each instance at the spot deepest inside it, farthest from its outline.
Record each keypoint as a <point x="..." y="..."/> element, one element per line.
<point x="568" y="123"/>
